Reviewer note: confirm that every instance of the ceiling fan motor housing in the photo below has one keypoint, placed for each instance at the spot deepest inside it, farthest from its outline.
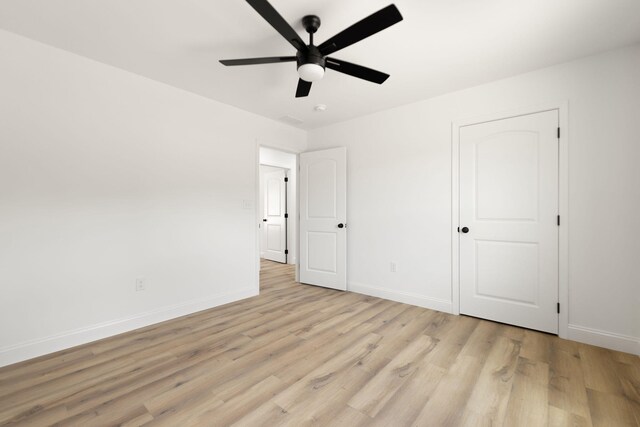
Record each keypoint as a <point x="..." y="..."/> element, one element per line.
<point x="311" y="56"/>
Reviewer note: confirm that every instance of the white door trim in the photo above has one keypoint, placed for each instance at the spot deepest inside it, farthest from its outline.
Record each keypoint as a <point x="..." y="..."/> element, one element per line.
<point x="256" y="212"/>
<point x="563" y="262"/>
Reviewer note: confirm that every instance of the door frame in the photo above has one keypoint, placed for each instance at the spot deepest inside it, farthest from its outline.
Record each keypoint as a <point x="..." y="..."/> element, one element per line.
<point x="563" y="203"/>
<point x="295" y="230"/>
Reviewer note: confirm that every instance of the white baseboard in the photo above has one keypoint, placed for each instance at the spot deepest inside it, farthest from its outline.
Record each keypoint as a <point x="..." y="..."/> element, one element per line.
<point x="404" y="297"/>
<point x="38" y="347"/>
<point x="605" y="339"/>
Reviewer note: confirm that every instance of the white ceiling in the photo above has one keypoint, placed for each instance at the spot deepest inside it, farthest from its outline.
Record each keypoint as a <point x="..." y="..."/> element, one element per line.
<point x="441" y="46"/>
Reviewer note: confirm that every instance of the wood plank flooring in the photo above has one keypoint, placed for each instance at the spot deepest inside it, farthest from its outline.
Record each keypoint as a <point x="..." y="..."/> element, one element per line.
<point x="300" y="355"/>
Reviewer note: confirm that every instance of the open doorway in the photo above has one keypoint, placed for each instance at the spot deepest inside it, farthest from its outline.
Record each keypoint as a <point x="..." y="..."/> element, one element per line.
<point x="277" y="206"/>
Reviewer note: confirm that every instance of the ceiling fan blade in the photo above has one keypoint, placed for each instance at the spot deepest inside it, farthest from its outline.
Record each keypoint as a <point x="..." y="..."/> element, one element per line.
<point x="264" y="8"/>
<point x="303" y="89"/>
<point x="253" y="61"/>
<point x="370" y="25"/>
<point x="356" y="70"/>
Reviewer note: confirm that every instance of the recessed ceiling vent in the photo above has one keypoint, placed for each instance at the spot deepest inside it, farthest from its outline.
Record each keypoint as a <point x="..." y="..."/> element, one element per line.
<point x="291" y="120"/>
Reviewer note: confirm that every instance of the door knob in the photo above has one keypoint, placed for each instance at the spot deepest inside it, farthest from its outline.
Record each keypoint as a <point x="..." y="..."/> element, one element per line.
<point x="341" y="225"/>
<point x="264" y="219"/>
<point x="465" y="229"/>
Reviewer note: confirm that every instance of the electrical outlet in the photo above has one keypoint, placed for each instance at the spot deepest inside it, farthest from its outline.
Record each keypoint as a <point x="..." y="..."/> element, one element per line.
<point x="141" y="284"/>
<point x="393" y="266"/>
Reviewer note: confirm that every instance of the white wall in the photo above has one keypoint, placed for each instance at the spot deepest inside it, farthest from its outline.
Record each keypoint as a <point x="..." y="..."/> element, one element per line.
<point x="399" y="190"/>
<point x="106" y="176"/>
<point x="289" y="161"/>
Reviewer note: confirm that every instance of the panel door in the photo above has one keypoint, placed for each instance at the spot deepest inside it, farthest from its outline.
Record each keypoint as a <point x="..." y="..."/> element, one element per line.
<point x="508" y="221"/>
<point x="274" y="224"/>
<point x="323" y="213"/>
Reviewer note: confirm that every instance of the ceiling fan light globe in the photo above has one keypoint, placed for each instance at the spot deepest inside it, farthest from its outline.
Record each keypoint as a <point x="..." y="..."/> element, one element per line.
<point x="310" y="72"/>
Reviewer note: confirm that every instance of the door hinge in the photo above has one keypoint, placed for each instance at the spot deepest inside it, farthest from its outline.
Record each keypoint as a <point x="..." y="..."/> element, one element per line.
<point x="558" y="220"/>
<point x="558" y="133"/>
<point x="286" y="251"/>
<point x="558" y="308"/>
<point x="286" y="179"/>
<point x="286" y="215"/>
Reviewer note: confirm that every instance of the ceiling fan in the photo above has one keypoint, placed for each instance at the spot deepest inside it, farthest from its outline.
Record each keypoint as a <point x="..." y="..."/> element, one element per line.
<point x="312" y="59"/>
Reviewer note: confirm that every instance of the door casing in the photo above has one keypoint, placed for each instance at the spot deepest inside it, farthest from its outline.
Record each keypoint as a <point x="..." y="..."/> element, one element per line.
<point x="562" y="108"/>
<point x="292" y="226"/>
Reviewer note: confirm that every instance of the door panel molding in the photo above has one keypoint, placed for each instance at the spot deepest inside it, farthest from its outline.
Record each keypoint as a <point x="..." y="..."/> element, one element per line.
<point x="562" y="107"/>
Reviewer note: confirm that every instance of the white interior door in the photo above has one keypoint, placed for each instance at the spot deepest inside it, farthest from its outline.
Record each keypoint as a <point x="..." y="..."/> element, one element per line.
<point x="508" y="221"/>
<point x="323" y="214"/>
<point x="274" y="225"/>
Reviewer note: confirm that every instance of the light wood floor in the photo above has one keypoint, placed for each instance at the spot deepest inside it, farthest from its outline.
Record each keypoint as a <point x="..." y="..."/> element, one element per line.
<point x="299" y="355"/>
